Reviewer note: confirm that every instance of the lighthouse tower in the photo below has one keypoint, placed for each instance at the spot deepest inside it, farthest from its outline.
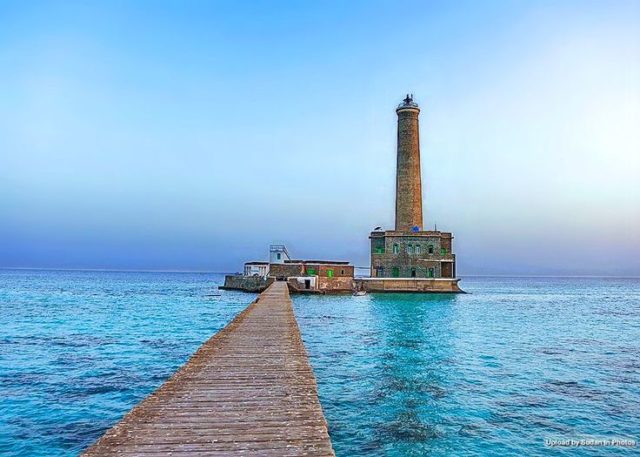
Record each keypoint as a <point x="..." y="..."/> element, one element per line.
<point x="410" y="257"/>
<point x="408" y="181"/>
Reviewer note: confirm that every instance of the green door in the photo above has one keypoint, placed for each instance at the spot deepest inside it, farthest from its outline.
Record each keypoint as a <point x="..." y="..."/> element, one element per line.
<point x="329" y="273"/>
<point x="431" y="272"/>
<point x="395" y="272"/>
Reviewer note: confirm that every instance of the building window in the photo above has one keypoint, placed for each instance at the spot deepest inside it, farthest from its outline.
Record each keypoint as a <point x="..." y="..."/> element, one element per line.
<point x="430" y="249"/>
<point x="410" y="249"/>
<point x="278" y="255"/>
<point x="311" y="271"/>
<point x="418" y="249"/>
<point x="380" y="272"/>
<point x="342" y="272"/>
<point x="329" y="273"/>
<point x="396" y="248"/>
<point x="431" y="272"/>
<point x="443" y="251"/>
<point x="395" y="272"/>
<point x="413" y="272"/>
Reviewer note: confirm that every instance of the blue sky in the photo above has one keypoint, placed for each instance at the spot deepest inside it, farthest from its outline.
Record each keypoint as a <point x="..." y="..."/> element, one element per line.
<point x="190" y="135"/>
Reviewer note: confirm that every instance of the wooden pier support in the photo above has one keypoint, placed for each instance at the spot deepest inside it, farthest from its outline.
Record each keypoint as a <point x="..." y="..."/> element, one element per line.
<point x="249" y="391"/>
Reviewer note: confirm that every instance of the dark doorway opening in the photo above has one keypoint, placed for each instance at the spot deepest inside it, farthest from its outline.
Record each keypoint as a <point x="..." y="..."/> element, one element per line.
<point x="307" y="284"/>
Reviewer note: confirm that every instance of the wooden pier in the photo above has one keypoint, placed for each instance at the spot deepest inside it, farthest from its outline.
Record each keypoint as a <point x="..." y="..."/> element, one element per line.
<point x="248" y="391"/>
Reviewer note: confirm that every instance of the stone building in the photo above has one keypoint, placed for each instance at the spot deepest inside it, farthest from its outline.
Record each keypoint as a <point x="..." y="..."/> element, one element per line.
<point x="423" y="254"/>
<point x="304" y="276"/>
<point x="410" y="251"/>
<point x="323" y="276"/>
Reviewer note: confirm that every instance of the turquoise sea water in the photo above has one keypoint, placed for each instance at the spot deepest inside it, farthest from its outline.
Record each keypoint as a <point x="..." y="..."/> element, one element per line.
<point x="494" y="372"/>
<point x="491" y="373"/>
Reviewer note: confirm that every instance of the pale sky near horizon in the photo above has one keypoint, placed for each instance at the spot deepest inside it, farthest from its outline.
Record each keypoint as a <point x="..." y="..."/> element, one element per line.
<point x="190" y="135"/>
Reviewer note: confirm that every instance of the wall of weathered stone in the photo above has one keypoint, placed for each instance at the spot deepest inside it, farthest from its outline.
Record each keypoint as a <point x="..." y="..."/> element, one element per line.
<point x="413" y="253"/>
<point x="335" y="285"/>
<point x="246" y="283"/>
<point x="446" y="242"/>
<point x="285" y="270"/>
<point x="447" y="270"/>
<point x="323" y="269"/>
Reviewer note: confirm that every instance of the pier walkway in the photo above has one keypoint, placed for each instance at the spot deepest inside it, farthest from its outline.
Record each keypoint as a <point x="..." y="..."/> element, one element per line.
<point x="249" y="391"/>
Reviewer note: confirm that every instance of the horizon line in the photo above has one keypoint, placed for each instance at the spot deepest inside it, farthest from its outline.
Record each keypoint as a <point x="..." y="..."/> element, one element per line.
<point x="126" y="270"/>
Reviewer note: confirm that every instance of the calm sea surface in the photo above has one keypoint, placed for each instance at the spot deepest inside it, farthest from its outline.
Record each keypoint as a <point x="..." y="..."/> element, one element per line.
<point x="494" y="372"/>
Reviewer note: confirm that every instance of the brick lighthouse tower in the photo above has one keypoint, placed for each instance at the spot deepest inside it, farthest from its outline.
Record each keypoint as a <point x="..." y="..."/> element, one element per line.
<point x="410" y="258"/>
<point x="408" y="180"/>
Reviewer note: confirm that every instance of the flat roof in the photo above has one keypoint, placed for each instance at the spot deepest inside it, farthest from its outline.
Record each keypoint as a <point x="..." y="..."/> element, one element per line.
<point x="399" y="234"/>
<point x="256" y="263"/>
<point x="319" y="262"/>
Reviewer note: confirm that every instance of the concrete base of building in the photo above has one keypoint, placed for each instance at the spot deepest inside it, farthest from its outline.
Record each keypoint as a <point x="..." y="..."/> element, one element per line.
<point x="410" y="285"/>
<point x="257" y="284"/>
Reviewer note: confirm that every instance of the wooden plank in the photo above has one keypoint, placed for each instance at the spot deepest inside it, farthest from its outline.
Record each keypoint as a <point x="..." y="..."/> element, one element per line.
<point x="249" y="390"/>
